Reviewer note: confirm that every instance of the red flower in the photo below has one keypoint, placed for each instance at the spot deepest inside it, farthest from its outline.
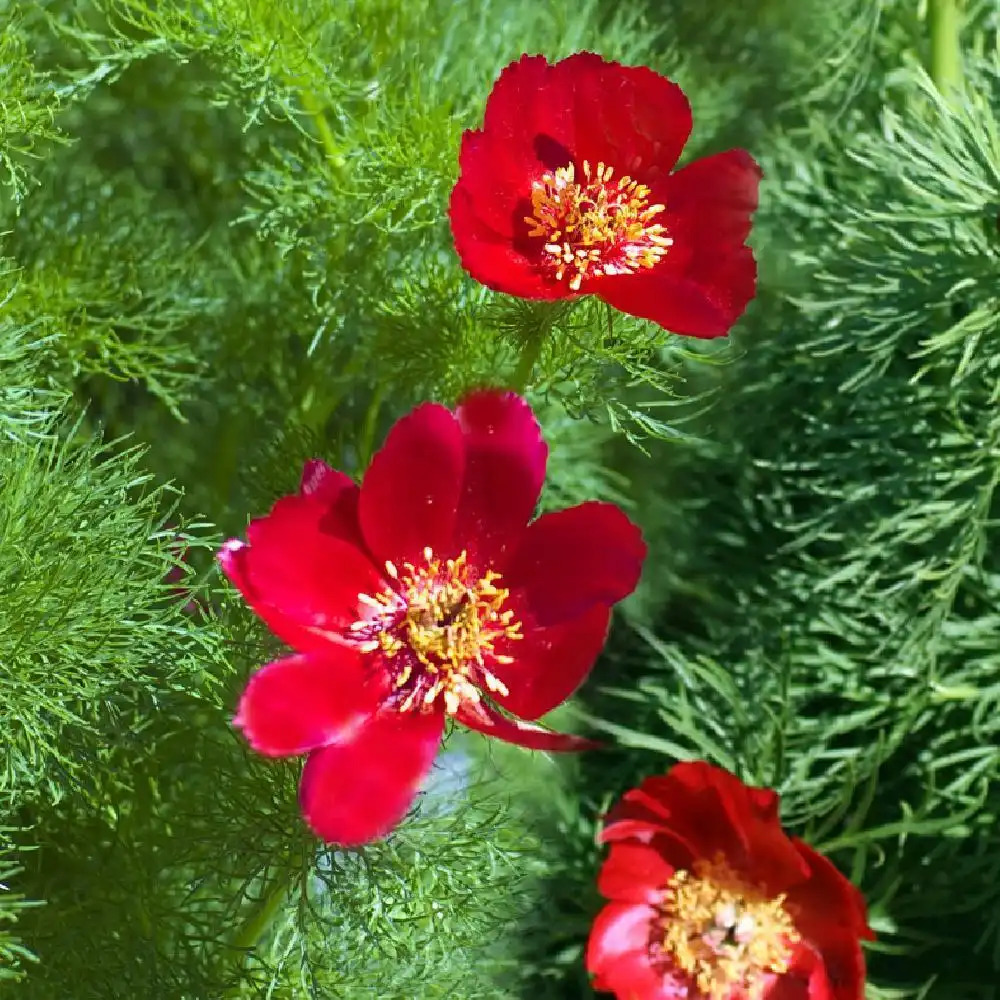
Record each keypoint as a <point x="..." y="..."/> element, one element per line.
<point x="712" y="900"/>
<point x="567" y="190"/>
<point x="424" y="593"/>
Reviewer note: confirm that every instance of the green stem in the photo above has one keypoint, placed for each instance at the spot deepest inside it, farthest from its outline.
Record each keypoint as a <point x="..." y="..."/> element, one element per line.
<point x="370" y="426"/>
<point x="945" y="19"/>
<point x="543" y="318"/>
<point x="249" y="933"/>
<point x="526" y="363"/>
<point x="314" y="109"/>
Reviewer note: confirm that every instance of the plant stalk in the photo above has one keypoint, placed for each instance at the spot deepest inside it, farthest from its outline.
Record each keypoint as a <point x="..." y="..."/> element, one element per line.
<point x="248" y="934"/>
<point x="543" y="318"/>
<point x="526" y="363"/>
<point x="945" y="21"/>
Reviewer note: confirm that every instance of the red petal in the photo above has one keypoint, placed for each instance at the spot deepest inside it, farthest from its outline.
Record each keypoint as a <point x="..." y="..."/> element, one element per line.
<point x="486" y="719"/>
<point x="232" y="559"/>
<point x="831" y="914"/>
<point x="805" y="979"/>
<point x="357" y="791"/>
<point x="529" y="113"/>
<point x="308" y="578"/>
<point x="308" y="620"/>
<point x="493" y="197"/>
<point x="527" y="131"/>
<point x="704" y="301"/>
<point x="711" y="810"/>
<point x="620" y="931"/>
<point x="504" y="472"/>
<point x="708" y="277"/>
<point x="685" y="802"/>
<point x="294" y="705"/>
<point x="632" y="977"/>
<point x="340" y="494"/>
<point x="492" y="259"/>
<point x="629" y="117"/>
<point x="549" y="664"/>
<point x="710" y="201"/>
<point x="829" y="902"/>
<point x="323" y="482"/>
<point x="572" y="559"/>
<point x="634" y="873"/>
<point x="410" y="492"/>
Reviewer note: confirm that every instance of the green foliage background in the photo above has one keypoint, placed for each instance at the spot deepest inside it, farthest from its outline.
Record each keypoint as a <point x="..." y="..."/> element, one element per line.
<point x="224" y="250"/>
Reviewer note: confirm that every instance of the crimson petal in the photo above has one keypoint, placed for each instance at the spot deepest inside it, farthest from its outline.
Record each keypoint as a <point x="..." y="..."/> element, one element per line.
<point x="629" y="117"/>
<point x="356" y="791"/>
<point x="294" y="705"/>
<point x="813" y="897"/>
<point x="618" y="951"/>
<point x="302" y="626"/>
<point x="311" y="577"/>
<point x="548" y="664"/>
<point x="529" y="113"/>
<point x="486" y="719"/>
<point x="710" y="201"/>
<point x="489" y="194"/>
<point x="634" y="873"/>
<point x="410" y="492"/>
<point x="572" y="559"/>
<point x="490" y="258"/>
<point x="806" y="979"/>
<point x="708" y="277"/>
<point x="340" y="494"/>
<point x="323" y="482"/>
<point x="505" y="460"/>
<point x="704" y="301"/>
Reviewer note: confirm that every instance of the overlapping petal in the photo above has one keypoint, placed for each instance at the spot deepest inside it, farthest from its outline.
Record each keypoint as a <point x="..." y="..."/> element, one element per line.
<point x="635" y="873"/>
<point x="618" y="951"/>
<point x="547" y="664"/>
<point x="492" y="259"/>
<point x="627" y="116"/>
<point x="357" y="790"/>
<point x="703" y="300"/>
<point x="573" y="559"/>
<point x="294" y="705"/>
<point x="303" y="581"/>
<point x="485" y="718"/>
<point x="410" y="493"/>
<point x="710" y="201"/>
<point x="505" y="460"/>
<point x="340" y="495"/>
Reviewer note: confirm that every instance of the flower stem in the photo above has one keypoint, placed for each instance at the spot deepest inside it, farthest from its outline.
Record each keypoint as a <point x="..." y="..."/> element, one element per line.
<point x="543" y="318"/>
<point x="247" y="935"/>
<point x="526" y="363"/>
<point x="314" y="108"/>
<point x="945" y="19"/>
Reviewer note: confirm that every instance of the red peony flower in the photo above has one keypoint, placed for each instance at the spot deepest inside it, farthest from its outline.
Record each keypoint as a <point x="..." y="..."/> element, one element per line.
<point x="567" y="190"/>
<point x="423" y="593"/>
<point x="712" y="900"/>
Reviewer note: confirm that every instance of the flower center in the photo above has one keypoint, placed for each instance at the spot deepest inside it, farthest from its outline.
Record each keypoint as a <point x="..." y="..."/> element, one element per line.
<point x="724" y="935"/>
<point x="595" y="227"/>
<point x="436" y="630"/>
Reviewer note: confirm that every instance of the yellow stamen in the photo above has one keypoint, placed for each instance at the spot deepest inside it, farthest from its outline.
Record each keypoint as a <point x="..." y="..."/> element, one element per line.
<point x="725" y="934"/>
<point x="595" y="222"/>
<point x="441" y="625"/>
